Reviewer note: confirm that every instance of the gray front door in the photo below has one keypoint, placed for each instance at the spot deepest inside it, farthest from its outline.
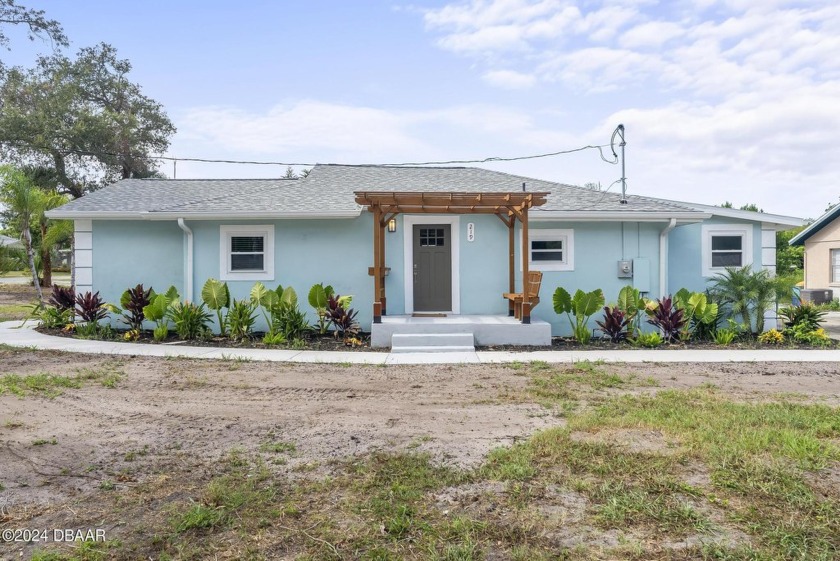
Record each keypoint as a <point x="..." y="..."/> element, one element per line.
<point x="432" y="268"/>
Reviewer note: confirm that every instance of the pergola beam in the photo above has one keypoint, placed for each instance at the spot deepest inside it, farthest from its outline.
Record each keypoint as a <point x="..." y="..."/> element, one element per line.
<point x="508" y="206"/>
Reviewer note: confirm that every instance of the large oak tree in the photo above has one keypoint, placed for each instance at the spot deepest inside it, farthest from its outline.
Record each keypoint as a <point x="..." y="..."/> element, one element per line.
<point x="83" y="118"/>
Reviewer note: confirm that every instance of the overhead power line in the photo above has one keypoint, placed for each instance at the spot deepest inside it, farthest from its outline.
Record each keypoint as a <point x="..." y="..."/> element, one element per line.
<point x="305" y="164"/>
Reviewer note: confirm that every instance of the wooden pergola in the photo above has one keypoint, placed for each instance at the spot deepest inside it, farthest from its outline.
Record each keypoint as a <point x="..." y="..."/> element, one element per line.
<point x="508" y="206"/>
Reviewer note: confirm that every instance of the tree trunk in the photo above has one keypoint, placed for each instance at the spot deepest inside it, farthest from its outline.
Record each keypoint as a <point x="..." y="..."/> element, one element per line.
<point x="46" y="260"/>
<point x="30" y="252"/>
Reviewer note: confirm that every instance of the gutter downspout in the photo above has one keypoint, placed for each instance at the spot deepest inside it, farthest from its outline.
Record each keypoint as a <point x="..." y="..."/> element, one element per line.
<point x="663" y="257"/>
<point x="188" y="266"/>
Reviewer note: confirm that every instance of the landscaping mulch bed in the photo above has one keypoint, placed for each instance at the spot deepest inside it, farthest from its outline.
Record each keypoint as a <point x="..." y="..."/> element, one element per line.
<point x="314" y="343"/>
<point x="329" y="343"/>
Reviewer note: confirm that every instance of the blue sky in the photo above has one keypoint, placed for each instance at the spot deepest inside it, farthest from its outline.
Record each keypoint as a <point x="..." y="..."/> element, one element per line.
<point x="722" y="100"/>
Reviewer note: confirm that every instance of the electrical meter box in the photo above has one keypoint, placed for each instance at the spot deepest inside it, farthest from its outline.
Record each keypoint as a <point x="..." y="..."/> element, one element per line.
<point x="625" y="269"/>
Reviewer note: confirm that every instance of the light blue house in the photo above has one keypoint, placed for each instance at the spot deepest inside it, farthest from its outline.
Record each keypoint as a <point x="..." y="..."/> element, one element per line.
<point x="449" y="242"/>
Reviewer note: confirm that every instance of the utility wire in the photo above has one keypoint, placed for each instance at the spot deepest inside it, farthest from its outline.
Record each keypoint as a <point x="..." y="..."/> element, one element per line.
<point x="304" y="164"/>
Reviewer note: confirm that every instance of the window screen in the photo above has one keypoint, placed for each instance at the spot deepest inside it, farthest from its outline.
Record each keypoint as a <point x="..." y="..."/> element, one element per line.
<point x="727" y="251"/>
<point x="247" y="253"/>
<point x="835" y="265"/>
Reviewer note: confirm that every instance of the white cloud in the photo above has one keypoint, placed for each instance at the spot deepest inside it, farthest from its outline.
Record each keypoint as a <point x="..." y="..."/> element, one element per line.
<point x="650" y="34"/>
<point x="509" y="79"/>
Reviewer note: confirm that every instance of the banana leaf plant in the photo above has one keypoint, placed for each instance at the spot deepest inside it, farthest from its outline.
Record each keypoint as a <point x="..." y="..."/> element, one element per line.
<point x="216" y="296"/>
<point x="632" y="303"/>
<point x="578" y="308"/>
<point x="319" y="297"/>
<point x="697" y="310"/>
<point x="157" y="309"/>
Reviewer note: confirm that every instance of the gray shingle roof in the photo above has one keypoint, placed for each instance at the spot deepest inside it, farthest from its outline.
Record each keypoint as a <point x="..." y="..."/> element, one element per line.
<point x="329" y="188"/>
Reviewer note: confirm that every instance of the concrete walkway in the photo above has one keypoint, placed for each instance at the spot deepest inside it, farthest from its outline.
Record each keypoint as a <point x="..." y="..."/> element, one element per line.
<point x="14" y="334"/>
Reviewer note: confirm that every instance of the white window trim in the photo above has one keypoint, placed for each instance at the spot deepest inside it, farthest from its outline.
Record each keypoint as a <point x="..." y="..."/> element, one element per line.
<point x="568" y="263"/>
<point x="709" y="230"/>
<point x="832" y="281"/>
<point x="226" y="232"/>
<point x="408" y="262"/>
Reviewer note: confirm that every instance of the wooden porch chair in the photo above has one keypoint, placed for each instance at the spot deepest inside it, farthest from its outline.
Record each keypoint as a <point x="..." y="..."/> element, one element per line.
<point x="533" y="291"/>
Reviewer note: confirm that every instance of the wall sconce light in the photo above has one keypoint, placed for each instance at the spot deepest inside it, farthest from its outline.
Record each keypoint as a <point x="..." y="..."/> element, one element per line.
<point x="392" y="225"/>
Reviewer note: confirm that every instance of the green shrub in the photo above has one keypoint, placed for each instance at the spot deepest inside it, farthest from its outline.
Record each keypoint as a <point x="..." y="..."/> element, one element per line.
<point x="241" y="318"/>
<point x="160" y="333"/>
<point x="647" y="340"/>
<point x="724" y="337"/>
<point x="581" y="306"/>
<point x="700" y="314"/>
<point x="803" y="334"/>
<point x="157" y="311"/>
<point x="805" y="314"/>
<point x="53" y="318"/>
<point x="772" y="337"/>
<point x="190" y="320"/>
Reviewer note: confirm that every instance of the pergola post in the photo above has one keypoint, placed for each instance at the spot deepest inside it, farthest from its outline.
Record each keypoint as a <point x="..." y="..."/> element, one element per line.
<point x="526" y="254"/>
<point x="511" y="262"/>
<point x="377" y="265"/>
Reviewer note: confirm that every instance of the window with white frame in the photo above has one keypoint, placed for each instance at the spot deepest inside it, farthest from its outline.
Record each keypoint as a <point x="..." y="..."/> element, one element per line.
<point x="835" y="266"/>
<point x="726" y="245"/>
<point x="551" y="250"/>
<point x="246" y="252"/>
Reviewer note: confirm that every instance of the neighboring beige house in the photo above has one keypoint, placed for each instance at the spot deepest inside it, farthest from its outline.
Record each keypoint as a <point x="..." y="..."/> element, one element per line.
<point x="822" y="251"/>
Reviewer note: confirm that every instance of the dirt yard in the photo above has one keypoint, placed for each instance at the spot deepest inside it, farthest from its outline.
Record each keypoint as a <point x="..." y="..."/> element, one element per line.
<point x="130" y="422"/>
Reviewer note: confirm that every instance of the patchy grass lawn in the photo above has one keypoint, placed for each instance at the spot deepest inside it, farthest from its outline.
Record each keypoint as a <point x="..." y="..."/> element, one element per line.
<point x="53" y="385"/>
<point x="631" y="470"/>
<point x="16" y="301"/>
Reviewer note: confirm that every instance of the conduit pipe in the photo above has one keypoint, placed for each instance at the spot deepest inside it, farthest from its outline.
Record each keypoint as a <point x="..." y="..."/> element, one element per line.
<point x="188" y="266"/>
<point x="663" y="257"/>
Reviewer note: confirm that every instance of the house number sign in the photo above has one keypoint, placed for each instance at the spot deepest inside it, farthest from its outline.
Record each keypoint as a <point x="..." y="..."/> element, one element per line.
<point x="471" y="232"/>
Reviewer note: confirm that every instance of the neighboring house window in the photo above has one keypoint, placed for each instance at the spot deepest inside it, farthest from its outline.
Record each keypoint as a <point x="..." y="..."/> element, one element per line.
<point x="551" y="250"/>
<point x="835" y="266"/>
<point x="726" y="245"/>
<point x="246" y="252"/>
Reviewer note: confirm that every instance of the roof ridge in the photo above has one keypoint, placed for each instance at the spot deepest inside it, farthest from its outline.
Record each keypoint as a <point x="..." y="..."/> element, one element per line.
<point x="153" y="179"/>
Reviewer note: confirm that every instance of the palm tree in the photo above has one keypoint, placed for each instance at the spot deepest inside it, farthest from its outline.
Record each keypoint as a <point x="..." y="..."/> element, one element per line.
<point x="749" y="292"/>
<point x="24" y="203"/>
<point x="736" y="288"/>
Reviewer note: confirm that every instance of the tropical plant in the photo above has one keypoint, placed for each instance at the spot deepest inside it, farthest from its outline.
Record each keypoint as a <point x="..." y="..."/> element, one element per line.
<point x="803" y="334"/>
<point x="319" y="296"/>
<point x="648" y="340"/>
<point x="157" y="309"/>
<point x="668" y="318"/>
<point x="804" y="314"/>
<point x="241" y="318"/>
<point x="286" y="317"/>
<point x="63" y="297"/>
<point x="190" y="320"/>
<point x="698" y="311"/>
<point x="53" y="318"/>
<point x="133" y="301"/>
<point x="771" y="337"/>
<point x="615" y="323"/>
<point x="581" y="307"/>
<point x="216" y="296"/>
<point x="725" y="336"/>
<point x="632" y="303"/>
<point x="24" y="203"/>
<point x="749" y="293"/>
<point x="90" y="307"/>
<point x="342" y="318"/>
<point x="266" y="299"/>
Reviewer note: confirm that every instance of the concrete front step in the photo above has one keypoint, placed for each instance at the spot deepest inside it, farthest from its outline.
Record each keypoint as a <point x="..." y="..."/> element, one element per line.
<point x="432" y="342"/>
